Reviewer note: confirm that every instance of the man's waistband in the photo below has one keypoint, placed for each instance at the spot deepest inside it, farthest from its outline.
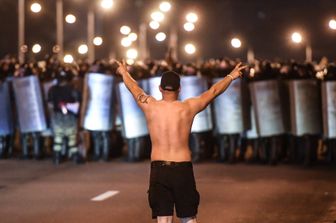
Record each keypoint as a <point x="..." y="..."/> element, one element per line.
<point x="158" y="163"/>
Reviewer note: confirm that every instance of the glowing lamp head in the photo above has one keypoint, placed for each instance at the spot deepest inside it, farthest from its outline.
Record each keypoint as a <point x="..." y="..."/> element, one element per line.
<point x="332" y="24"/>
<point x="236" y="43"/>
<point x="35" y="7"/>
<point x="125" y="30"/>
<point x="132" y="54"/>
<point x="165" y="6"/>
<point x="36" y="48"/>
<point x="106" y="4"/>
<point x="133" y="37"/>
<point x="97" y="41"/>
<point x="161" y="36"/>
<point x="154" y="25"/>
<point x="83" y="49"/>
<point x="188" y="26"/>
<point x="190" y="48"/>
<point x="296" y="37"/>
<point x="68" y="58"/>
<point x="70" y="19"/>
<point x="157" y="16"/>
<point x="192" y="17"/>
<point x="126" y="42"/>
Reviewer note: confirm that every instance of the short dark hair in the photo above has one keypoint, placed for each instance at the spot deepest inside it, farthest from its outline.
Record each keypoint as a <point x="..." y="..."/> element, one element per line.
<point x="170" y="81"/>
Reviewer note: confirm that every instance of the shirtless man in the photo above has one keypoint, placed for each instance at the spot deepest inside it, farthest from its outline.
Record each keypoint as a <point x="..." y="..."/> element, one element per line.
<point x="169" y="122"/>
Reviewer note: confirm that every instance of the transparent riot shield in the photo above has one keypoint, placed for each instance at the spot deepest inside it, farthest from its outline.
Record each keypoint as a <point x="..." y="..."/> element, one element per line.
<point x="329" y="108"/>
<point x="267" y="107"/>
<point x="133" y="119"/>
<point x="29" y="104"/>
<point x="228" y="109"/>
<point x="193" y="86"/>
<point x="98" y="112"/>
<point x="6" y="118"/>
<point x="153" y="87"/>
<point x="305" y="104"/>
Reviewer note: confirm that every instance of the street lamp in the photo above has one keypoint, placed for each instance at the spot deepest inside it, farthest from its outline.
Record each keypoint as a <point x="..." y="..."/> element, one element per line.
<point x="97" y="41"/>
<point x="106" y="4"/>
<point x="126" y="42"/>
<point x="36" y="7"/>
<point x="190" y="48"/>
<point x="36" y="48"/>
<point x="154" y="25"/>
<point x="83" y="49"/>
<point x="192" y="17"/>
<point x="133" y="37"/>
<point x="132" y="54"/>
<point x="332" y="24"/>
<point x="68" y="58"/>
<point x="297" y="38"/>
<point x="161" y="36"/>
<point x="70" y="19"/>
<point x="165" y="6"/>
<point x="157" y="16"/>
<point x="188" y="26"/>
<point x="125" y="30"/>
<point x="236" y="43"/>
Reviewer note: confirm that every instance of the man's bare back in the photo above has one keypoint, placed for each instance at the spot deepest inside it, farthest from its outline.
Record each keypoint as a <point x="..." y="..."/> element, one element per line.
<point x="169" y="122"/>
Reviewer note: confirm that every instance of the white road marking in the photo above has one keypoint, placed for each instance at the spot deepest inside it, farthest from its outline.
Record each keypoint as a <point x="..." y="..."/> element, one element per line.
<point x="105" y="195"/>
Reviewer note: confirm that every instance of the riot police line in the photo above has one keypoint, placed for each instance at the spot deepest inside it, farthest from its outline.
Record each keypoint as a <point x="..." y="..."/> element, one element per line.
<point x="276" y="113"/>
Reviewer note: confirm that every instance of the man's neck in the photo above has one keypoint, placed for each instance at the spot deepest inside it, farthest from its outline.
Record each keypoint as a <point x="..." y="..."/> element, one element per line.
<point x="169" y="96"/>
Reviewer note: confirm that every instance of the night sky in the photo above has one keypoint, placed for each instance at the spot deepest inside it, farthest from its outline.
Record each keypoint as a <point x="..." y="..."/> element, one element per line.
<point x="264" y="25"/>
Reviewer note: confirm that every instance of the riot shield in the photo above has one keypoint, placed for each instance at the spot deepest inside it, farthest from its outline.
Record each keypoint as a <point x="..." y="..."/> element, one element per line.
<point x="267" y="107"/>
<point x="97" y="99"/>
<point x="6" y="118"/>
<point x="306" y="117"/>
<point x="192" y="86"/>
<point x="29" y="104"/>
<point x="329" y="108"/>
<point x="153" y="87"/>
<point x="252" y="132"/>
<point x="228" y="109"/>
<point x="133" y="119"/>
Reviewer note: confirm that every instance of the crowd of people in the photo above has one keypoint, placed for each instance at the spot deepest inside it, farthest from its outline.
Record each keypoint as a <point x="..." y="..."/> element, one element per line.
<point x="65" y="99"/>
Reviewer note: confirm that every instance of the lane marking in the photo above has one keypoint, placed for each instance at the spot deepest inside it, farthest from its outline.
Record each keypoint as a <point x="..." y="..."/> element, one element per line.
<point x="106" y="195"/>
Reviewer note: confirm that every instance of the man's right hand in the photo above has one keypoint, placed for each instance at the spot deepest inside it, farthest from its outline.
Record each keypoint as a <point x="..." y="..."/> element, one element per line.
<point x="122" y="67"/>
<point x="237" y="71"/>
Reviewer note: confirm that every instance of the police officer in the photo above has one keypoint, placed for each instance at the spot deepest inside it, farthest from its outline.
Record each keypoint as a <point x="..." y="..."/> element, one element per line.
<point x="64" y="100"/>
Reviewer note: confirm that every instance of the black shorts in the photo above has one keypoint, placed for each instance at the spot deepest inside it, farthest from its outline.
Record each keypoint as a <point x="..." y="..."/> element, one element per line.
<point x="172" y="183"/>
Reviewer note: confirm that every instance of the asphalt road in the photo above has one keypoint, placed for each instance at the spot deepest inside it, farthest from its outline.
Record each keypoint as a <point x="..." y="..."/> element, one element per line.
<point x="37" y="191"/>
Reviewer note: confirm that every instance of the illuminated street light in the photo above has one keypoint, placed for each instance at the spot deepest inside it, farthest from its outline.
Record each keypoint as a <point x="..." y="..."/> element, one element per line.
<point x="192" y="17"/>
<point x="296" y="37"/>
<point x="236" y="43"/>
<point x="36" y="7"/>
<point x="97" y="41"/>
<point x="188" y="26"/>
<point x="125" y="30"/>
<point x="70" y="19"/>
<point x="68" y="58"/>
<point x="190" y="48"/>
<point x="132" y="54"/>
<point x="36" y="48"/>
<point x="161" y="36"/>
<point x="165" y="6"/>
<point x="106" y="4"/>
<point x="332" y="24"/>
<point x="133" y="37"/>
<point x="157" y="16"/>
<point x="83" y="49"/>
<point x="130" y="61"/>
<point x="126" y="42"/>
<point x="154" y="25"/>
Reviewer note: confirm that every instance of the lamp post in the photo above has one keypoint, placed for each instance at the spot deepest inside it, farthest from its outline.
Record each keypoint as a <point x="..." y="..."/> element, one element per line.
<point x="21" y="29"/>
<point x="59" y="29"/>
<point x="297" y="38"/>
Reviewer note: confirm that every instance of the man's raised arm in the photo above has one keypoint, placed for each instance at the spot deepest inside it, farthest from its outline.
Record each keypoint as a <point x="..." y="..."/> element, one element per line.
<point x="140" y="96"/>
<point x="199" y="103"/>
